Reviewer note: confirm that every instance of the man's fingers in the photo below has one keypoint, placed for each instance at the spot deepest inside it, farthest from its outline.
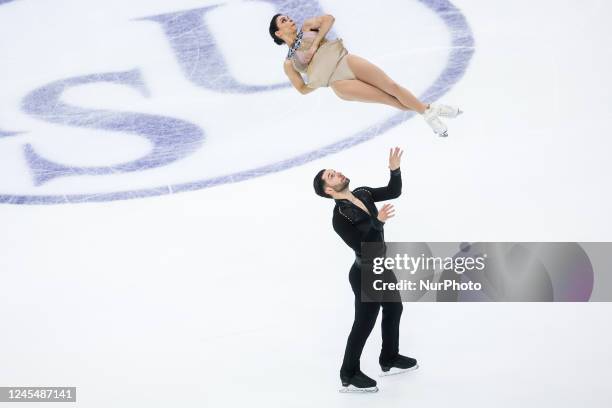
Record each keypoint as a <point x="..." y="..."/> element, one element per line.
<point x="387" y="211"/>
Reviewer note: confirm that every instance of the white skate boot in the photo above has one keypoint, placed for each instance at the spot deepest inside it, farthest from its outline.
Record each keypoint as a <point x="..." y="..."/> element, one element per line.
<point x="434" y="122"/>
<point x="446" y="111"/>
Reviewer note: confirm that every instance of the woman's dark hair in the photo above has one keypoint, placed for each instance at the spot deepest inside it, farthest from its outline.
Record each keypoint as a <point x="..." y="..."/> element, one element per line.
<point x="274" y="29"/>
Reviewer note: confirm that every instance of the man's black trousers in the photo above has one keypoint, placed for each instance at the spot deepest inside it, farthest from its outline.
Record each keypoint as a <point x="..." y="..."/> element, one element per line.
<point x="365" y="318"/>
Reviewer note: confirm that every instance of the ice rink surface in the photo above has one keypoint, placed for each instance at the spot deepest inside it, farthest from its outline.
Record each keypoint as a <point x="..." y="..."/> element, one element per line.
<point x="161" y="242"/>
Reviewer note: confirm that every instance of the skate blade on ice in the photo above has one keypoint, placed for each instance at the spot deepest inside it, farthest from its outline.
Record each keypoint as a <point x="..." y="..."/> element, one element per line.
<point x="351" y="389"/>
<point x="395" y="371"/>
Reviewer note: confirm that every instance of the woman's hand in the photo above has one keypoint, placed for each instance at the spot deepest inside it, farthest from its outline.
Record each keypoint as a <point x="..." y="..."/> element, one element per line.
<point x="321" y="24"/>
<point x="296" y="79"/>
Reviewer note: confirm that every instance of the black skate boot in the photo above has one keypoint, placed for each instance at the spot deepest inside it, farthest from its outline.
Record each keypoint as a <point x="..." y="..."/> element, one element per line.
<point x="398" y="365"/>
<point x="358" y="383"/>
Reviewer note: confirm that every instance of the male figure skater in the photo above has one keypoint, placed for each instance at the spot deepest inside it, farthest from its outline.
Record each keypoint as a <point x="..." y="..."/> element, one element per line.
<point x="356" y="219"/>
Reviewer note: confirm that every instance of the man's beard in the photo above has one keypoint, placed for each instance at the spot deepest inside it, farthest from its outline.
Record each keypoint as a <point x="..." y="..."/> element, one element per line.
<point x="341" y="187"/>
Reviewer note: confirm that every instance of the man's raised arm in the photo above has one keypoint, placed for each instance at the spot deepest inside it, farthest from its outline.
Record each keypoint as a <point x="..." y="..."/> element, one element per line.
<point x="394" y="188"/>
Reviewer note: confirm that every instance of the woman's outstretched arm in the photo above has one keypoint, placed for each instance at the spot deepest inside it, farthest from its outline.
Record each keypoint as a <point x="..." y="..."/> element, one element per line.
<point x="296" y="79"/>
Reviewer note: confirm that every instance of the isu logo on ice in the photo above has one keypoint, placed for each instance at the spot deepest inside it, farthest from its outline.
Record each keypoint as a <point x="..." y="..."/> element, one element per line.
<point x="143" y="101"/>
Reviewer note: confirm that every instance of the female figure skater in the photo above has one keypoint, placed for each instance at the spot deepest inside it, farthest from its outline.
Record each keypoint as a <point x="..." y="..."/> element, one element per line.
<point x="328" y="63"/>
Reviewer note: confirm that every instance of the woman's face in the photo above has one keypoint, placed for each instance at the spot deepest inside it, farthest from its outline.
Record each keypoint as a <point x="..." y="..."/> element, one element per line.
<point x="285" y="25"/>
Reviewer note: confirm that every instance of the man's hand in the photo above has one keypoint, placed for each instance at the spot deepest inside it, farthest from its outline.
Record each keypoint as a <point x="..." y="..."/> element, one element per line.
<point x="387" y="211"/>
<point x="395" y="155"/>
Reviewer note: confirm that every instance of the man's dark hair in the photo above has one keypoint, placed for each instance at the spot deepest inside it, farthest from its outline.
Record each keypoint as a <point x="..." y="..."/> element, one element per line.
<point x="319" y="185"/>
<point x="274" y="29"/>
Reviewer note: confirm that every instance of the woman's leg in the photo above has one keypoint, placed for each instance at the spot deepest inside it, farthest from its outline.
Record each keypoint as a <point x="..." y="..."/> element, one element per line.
<point x="369" y="73"/>
<point x="355" y="90"/>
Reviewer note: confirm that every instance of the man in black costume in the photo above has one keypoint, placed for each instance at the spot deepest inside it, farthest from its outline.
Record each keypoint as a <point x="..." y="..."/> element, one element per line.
<point x="356" y="219"/>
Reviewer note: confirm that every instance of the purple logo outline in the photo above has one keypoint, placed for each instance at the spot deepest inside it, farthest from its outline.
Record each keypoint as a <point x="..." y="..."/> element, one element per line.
<point x="458" y="61"/>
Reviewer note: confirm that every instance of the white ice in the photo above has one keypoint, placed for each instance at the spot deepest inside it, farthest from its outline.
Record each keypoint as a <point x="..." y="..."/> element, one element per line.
<point x="237" y="294"/>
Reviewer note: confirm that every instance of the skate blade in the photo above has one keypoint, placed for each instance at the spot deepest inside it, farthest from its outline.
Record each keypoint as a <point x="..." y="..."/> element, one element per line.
<point x="396" y="371"/>
<point x="445" y="134"/>
<point x="351" y="389"/>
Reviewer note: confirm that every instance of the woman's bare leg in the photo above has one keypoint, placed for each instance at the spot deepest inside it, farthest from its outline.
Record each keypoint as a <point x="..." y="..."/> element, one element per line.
<point x="369" y="73"/>
<point x="356" y="90"/>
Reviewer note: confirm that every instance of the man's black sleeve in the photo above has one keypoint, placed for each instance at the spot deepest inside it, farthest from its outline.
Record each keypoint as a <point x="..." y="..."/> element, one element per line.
<point x="392" y="190"/>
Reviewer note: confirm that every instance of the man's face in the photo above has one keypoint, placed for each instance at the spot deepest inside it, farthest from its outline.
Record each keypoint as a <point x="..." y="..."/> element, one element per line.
<point x="335" y="180"/>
